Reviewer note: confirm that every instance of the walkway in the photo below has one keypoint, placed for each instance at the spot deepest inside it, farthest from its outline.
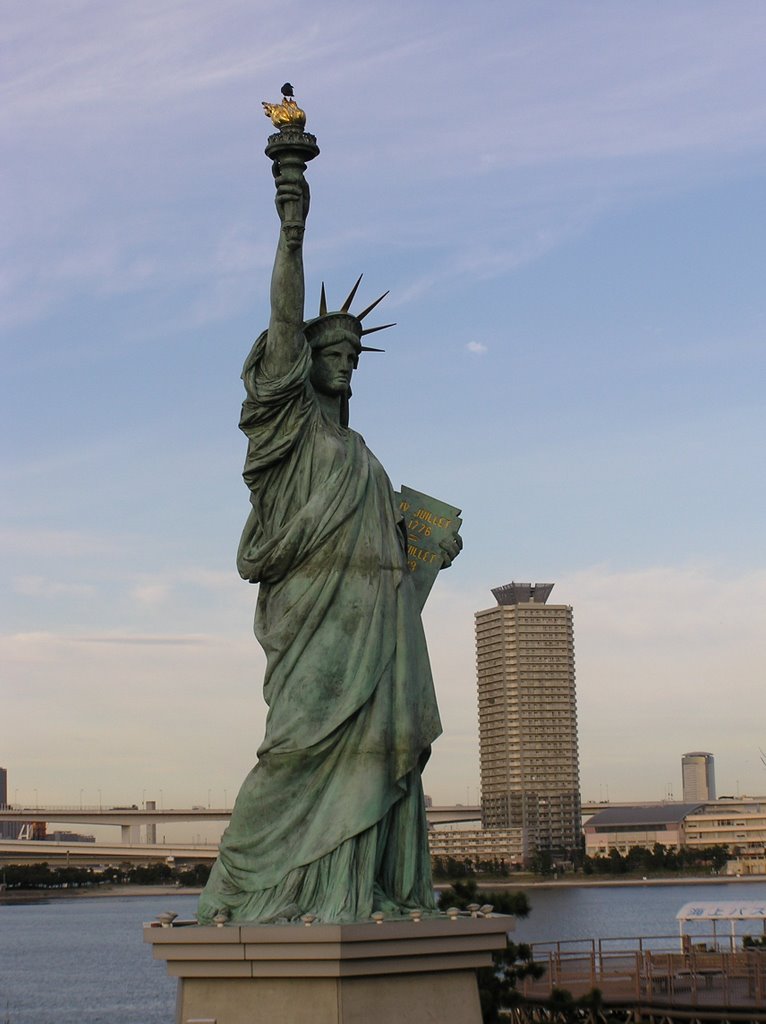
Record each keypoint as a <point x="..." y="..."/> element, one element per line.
<point x="649" y="978"/>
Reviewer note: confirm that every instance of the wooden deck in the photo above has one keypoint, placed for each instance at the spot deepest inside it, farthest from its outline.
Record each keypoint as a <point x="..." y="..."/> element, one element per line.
<point x="695" y="984"/>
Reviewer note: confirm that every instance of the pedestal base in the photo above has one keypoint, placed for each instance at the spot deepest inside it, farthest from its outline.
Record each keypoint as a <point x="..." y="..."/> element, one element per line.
<point x="410" y="999"/>
<point x="394" y="972"/>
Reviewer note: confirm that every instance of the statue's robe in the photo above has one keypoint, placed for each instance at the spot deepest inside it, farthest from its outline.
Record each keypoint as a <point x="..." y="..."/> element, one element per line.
<point x="331" y="821"/>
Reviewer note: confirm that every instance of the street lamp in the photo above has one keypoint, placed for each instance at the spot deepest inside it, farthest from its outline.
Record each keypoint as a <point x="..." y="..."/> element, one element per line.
<point x="81" y="793"/>
<point x="37" y="802"/>
<point x="99" y="799"/>
<point x="208" y="799"/>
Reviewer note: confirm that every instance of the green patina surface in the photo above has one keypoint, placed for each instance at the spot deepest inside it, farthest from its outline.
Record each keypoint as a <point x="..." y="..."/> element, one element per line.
<point x="331" y="820"/>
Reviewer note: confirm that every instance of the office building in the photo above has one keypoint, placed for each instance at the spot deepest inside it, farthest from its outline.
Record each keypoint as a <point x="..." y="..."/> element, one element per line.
<point x="528" y="718"/>
<point x="623" y="827"/>
<point x="698" y="775"/>
<point x="738" y="824"/>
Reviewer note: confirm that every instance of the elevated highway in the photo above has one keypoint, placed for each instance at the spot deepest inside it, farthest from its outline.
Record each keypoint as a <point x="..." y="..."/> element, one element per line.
<point x="138" y="833"/>
<point x="37" y="851"/>
<point x="445" y="815"/>
<point x="113" y="815"/>
<point x="130" y="820"/>
<point x="131" y="816"/>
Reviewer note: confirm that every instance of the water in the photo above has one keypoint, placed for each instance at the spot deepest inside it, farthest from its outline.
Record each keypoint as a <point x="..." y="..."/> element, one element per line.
<point x="575" y="912"/>
<point x="83" y="961"/>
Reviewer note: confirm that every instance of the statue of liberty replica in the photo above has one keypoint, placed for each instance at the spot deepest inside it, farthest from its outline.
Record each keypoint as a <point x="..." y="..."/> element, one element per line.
<point x="331" y="821"/>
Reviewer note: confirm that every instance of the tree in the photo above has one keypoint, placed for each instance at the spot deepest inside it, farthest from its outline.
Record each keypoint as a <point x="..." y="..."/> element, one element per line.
<point x="497" y="984"/>
<point x="542" y="862"/>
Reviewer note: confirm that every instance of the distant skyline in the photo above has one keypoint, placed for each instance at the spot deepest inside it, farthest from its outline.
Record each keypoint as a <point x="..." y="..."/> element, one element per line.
<point x="567" y="204"/>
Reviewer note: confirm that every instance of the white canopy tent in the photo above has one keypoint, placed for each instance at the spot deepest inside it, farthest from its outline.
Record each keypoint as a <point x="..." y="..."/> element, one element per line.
<point x="739" y="910"/>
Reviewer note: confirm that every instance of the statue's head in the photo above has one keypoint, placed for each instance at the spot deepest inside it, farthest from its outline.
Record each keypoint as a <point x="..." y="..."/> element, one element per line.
<point x="335" y="346"/>
<point x="336" y="342"/>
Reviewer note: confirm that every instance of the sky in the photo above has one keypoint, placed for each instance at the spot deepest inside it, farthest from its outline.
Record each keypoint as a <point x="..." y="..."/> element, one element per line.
<point x="567" y="202"/>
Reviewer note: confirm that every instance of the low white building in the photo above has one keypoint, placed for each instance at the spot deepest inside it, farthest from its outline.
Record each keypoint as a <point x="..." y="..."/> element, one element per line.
<point x="479" y="844"/>
<point x="739" y="825"/>
<point x="620" y="828"/>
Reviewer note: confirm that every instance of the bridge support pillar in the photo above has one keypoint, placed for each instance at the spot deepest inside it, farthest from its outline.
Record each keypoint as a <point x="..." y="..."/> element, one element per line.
<point x="151" y="828"/>
<point x="131" y="834"/>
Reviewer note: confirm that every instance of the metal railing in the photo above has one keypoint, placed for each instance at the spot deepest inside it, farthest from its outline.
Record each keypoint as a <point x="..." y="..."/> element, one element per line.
<point x="651" y="971"/>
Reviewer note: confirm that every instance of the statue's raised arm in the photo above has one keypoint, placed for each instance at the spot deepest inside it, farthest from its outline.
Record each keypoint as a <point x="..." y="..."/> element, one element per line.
<point x="290" y="150"/>
<point x="285" y="338"/>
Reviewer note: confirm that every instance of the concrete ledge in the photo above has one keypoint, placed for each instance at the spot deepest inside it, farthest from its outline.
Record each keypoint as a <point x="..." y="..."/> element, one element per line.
<point x="354" y="950"/>
<point x="402" y="971"/>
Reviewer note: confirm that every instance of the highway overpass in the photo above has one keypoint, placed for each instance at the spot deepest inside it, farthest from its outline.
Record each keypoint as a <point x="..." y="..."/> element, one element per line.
<point x="131" y="816"/>
<point x="138" y="838"/>
<point x="36" y="851"/>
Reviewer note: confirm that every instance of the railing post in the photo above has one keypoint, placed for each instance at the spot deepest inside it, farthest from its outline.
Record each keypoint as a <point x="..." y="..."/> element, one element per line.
<point x="754" y="977"/>
<point x="694" y="987"/>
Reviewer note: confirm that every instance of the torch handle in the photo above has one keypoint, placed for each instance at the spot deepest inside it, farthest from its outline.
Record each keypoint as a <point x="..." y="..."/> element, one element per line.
<point x="290" y="150"/>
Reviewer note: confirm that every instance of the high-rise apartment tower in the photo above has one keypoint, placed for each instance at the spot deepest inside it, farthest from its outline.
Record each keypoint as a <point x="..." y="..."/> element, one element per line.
<point x="698" y="775"/>
<point x="528" y="718"/>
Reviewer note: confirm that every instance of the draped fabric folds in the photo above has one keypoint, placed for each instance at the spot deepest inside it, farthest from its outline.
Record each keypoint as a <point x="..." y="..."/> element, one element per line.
<point x="331" y="820"/>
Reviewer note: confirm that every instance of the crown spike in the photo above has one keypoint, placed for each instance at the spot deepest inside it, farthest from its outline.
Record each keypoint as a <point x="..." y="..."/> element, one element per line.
<point x="347" y="304"/>
<point x="323" y="302"/>
<point x="372" y="330"/>
<point x="372" y="306"/>
<point x="366" y="348"/>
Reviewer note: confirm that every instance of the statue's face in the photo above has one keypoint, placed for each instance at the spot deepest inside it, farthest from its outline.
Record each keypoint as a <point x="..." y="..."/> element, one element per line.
<point x="332" y="367"/>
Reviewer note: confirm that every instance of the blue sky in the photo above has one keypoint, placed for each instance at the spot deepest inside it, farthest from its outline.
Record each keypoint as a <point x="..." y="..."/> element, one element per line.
<point x="567" y="202"/>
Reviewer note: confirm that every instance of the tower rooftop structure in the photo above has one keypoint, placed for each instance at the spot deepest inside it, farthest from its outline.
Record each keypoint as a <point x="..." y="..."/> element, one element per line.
<point x="520" y="593"/>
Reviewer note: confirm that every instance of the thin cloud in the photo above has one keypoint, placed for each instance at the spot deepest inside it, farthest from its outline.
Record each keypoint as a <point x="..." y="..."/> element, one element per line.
<point x="41" y="587"/>
<point x="152" y="594"/>
<point x="477" y="348"/>
<point x="64" y="543"/>
<point x="145" y="641"/>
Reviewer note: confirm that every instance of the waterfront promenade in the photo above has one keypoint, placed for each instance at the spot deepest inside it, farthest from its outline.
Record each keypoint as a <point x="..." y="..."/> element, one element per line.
<point x="101" y="926"/>
<point x="651" y="976"/>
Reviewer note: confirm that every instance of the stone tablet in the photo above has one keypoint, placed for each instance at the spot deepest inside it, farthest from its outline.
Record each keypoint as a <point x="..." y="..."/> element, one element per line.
<point x="429" y="521"/>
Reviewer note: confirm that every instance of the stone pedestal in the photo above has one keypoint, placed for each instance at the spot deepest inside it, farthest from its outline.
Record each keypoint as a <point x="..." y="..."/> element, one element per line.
<point x="396" y="972"/>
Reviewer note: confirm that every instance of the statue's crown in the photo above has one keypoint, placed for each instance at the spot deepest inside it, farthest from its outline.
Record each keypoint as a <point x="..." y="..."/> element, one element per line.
<point x="321" y="330"/>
